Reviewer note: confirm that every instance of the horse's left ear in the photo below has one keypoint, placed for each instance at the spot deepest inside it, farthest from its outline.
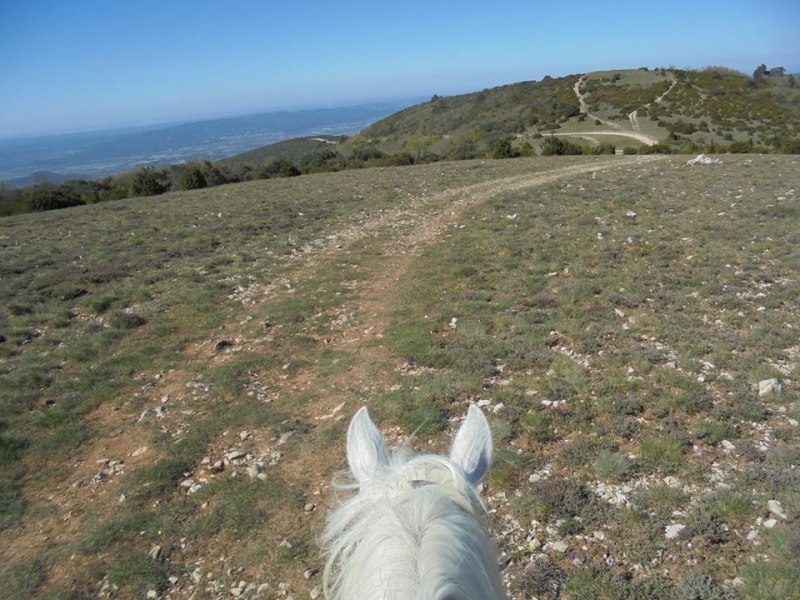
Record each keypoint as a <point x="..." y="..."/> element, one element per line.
<point x="366" y="450"/>
<point x="472" y="446"/>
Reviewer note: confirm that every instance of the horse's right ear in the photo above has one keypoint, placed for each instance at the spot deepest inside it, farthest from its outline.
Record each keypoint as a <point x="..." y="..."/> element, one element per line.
<point x="472" y="447"/>
<point x="366" y="450"/>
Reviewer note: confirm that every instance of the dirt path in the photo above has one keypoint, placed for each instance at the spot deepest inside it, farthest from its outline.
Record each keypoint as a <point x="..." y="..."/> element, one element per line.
<point x="585" y="107"/>
<point x="633" y="117"/>
<point x="641" y="137"/>
<point x="396" y="238"/>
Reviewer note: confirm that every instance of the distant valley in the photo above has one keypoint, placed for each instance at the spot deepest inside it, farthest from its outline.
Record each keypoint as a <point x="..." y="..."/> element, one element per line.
<point x="101" y="153"/>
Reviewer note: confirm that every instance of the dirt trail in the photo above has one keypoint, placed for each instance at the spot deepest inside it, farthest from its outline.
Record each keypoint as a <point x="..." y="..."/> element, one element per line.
<point x="634" y="116"/>
<point x="397" y="237"/>
<point x="636" y="134"/>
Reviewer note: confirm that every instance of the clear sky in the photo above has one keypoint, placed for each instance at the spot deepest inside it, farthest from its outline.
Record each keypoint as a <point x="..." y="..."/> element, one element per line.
<point x="70" y="65"/>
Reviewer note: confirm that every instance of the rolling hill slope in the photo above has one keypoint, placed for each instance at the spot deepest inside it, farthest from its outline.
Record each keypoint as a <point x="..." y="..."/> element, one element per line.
<point x="685" y="109"/>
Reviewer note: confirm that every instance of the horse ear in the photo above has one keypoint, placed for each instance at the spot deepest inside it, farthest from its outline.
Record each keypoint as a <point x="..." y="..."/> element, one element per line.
<point x="366" y="450"/>
<point x="472" y="446"/>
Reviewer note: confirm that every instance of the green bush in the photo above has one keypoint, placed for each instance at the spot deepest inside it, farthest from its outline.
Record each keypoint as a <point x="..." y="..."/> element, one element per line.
<point x="148" y="182"/>
<point x="553" y="146"/>
<point x="193" y="178"/>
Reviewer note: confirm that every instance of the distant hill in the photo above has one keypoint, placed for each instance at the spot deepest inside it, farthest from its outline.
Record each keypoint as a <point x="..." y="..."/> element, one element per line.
<point x="293" y="150"/>
<point x="40" y="177"/>
<point x="713" y="109"/>
<point x="624" y="107"/>
<point x="102" y="153"/>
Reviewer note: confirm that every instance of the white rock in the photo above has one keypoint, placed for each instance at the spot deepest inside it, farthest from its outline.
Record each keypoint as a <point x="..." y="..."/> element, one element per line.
<point x="776" y="508"/>
<point x="770" y="523"/>
<point x="674" y="530"/>
<point x="728" y="446"/>
<point x="560" y="546"/>
<point x="316" y="592"/>
<point x="702" y="159"/>
<point x="768" y="386"/>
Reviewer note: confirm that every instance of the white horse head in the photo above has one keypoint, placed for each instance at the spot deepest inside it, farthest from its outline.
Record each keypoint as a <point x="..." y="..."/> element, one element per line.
<point x="413" y="530"/>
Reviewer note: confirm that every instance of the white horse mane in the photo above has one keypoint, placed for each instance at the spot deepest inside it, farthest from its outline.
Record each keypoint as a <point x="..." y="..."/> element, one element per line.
<point x="413" y="530"/>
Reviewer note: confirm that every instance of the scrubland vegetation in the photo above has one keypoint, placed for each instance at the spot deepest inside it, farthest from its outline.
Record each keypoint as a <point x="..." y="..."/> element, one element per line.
<point x="176" y="373"/>
<point x="714" y="110"/>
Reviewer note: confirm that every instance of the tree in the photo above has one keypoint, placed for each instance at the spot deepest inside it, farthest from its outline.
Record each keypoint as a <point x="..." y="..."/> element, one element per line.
<point x="502" y="149"/>
<point x="193" y="178"/>
<point x="760" y="72"/>
<point x="553" y="146"/>
<point x="46" y="197"/>
<point x="147" y="182"/>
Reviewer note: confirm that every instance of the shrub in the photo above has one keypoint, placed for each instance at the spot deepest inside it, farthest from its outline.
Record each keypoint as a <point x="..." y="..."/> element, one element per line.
<point x="193" y="178"/>
<point x="148" y="182"/>
<point x="43" y="198"/>
<point x="561" y="498"/>
<point x="553" y="146"/>
<point x="699" y="586"/>
<point x="124" y="320"/>
<point x="502" y="149"/>
<point x="542" y="579"/>
<point x="612" y="466"/>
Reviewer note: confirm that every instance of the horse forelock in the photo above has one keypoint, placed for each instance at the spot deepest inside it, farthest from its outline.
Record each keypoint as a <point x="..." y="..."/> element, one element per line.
<point x="412" y="531"/>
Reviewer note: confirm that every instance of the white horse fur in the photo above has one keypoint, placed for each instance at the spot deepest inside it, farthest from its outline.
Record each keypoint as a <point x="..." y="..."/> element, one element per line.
<point x="413" y="530"/>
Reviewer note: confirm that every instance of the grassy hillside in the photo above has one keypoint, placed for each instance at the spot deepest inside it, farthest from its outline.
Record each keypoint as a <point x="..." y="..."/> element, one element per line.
<point x="294" y="150"/>
<point x="701" y="108"/>
<point x="715" y="110"/>
<point x="176" y="373"/>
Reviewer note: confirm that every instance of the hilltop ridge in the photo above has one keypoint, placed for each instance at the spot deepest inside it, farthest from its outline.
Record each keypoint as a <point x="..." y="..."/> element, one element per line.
<point x="633" y="111"/>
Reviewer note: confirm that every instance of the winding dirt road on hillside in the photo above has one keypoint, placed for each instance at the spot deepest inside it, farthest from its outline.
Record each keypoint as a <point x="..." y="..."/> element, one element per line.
<point x="616" y="130"/>
<point x="634" y="115"/>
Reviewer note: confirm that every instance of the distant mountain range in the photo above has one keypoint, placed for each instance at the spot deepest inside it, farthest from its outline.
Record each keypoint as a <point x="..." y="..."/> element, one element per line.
<point x="87" y="155"/>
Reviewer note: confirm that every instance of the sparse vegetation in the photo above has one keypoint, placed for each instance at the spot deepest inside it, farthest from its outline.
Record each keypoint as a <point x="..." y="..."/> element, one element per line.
<point x="173" y="372"/>
<point x="713" y="110"/>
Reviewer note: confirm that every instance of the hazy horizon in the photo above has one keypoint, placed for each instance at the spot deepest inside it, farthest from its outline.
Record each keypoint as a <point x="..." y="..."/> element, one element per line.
<point x="88" y="66"/>
<point x="177" y="121"/>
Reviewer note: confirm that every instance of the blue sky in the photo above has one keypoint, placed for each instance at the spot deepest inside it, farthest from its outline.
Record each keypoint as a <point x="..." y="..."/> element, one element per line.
<point x="71" y="65"/>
